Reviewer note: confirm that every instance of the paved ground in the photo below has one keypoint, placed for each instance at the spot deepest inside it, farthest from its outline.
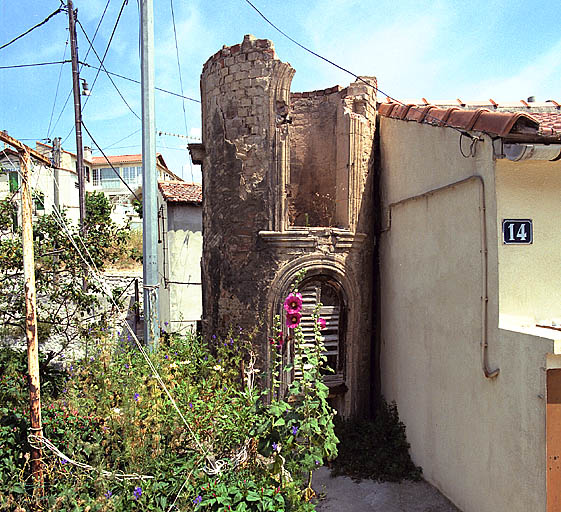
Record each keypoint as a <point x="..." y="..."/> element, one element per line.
<point x="342" y="494"/>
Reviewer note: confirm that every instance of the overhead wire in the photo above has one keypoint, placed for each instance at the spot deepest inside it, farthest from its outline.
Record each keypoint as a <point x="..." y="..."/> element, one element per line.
<point x="57" y="86"/>
<point x="125" y="2"/>
<point x="108" y="161"/>
<point x="14" y="66"/>
<point x="102" y="66"/>
<point x="180" y="78"/>
<point x="357" y="77"/>
<point x="138" y="82"/>
<point x="85" y="57"/>
<point x="54" y="13"/>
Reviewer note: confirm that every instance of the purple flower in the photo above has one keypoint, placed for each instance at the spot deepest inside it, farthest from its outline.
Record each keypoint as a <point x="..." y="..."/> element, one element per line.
<point x="275" y="446"/>
<point x="294" y="430"/>
<point x="136" y="397"/>
<point x="292" y="320"/>
<point x="108" y="494"/>
<point x="191" y="405"/>
<point x="127" y="366"/>
<point x="293" y="303"/>
<point x="166" y="357"/>
<point x="63" y="461"/>
<point x="137" y="493"/>
<point x="198" y="499"/>
<point x="166" y="324"/>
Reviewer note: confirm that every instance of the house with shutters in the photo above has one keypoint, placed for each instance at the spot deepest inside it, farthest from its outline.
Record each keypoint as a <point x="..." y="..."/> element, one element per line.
<point x="430" y="234"/>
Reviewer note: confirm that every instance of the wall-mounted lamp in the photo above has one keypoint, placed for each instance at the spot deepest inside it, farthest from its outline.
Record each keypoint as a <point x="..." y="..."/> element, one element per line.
<point x="85" y="88"/>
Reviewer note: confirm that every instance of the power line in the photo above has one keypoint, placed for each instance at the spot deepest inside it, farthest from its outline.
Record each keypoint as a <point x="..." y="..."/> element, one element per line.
<point x="357" y="77"/>
<point x="35" y="64"/>
<point x="111" y="165"/>
<point x="54" y="13"/>
<point x="87" y="53"/>
<point x="125" y="2"/>
<point x="179" y="70"/>
<point x="108" y="75"/>
<point x="57" y="86"/>
<point x="102" y="60"/>
<point x="138" y="82"/>
<point x="124" y="138"/>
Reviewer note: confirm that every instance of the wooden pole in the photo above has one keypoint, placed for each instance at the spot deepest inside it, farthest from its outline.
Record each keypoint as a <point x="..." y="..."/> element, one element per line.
<point x="31" y="323"/>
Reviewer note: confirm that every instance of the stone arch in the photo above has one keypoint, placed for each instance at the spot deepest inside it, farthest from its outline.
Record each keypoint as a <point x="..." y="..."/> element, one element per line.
<point x="331" y="267"/>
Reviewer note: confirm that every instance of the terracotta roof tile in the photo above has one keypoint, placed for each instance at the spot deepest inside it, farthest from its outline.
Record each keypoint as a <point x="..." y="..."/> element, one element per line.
<point x="181" y="192"/>
<point x="502" y="120"/>
<point x="118" y="159"/>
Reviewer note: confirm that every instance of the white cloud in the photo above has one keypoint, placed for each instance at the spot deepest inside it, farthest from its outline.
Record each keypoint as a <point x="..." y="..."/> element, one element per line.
<point x="536" y="78"/>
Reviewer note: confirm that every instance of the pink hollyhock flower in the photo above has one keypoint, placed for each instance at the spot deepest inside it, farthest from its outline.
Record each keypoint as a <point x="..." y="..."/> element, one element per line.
<point x="322" y="323"/>
<point x="293" y="303"/>
<point x="293" y="319"/>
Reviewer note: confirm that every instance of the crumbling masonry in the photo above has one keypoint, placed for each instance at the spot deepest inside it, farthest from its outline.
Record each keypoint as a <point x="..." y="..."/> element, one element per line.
<point x="287" y="181"/>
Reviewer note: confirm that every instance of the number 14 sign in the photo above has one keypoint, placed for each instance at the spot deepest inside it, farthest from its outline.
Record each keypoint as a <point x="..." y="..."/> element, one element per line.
<point x="517" y="231"/>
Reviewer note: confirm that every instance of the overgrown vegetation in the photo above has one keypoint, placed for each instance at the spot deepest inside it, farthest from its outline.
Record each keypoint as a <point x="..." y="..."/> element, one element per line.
<point x="64" y="307"/>
<point x="235" y="451"/>
<point x="375" y="449"/>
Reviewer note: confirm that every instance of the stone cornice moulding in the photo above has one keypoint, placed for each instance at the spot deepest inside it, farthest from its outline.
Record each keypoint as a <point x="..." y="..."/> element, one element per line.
<point x="313" y="238"/>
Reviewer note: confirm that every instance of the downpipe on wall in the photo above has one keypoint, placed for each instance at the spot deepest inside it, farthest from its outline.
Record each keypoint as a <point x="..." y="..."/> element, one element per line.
<point x="489" y="374"/>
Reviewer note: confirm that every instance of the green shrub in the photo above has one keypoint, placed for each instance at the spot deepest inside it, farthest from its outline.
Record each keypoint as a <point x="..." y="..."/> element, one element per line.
<point x="375" y="449"/>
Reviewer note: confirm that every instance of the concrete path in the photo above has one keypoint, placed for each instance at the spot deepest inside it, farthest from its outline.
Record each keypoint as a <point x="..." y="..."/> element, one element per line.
<point x="342" y="494"/>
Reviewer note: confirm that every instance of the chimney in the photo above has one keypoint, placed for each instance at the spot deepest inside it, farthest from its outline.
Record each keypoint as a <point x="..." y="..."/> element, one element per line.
<point x="87" y="153"/>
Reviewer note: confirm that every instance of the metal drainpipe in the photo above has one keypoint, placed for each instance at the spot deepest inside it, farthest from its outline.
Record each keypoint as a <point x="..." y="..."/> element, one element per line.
<point x="490" y="374"/>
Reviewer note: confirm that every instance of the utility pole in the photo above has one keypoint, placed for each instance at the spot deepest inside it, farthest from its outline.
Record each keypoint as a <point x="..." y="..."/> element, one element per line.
<point x="77" y="113"/>
<point x="149" y="179"/>
<point x="56" y="163"/>
<point x="30" y="308"/>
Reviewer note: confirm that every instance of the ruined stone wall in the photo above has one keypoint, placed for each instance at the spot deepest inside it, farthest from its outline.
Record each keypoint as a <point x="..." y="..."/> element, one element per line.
<point x="265" y="156"/>
<point x="244" y="90"/>
<point x="313" y="157"/>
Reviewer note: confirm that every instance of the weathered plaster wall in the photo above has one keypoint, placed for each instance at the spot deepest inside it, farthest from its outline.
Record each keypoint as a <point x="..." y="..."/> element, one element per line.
<point x="179" y="262"/>
<point x="530" y="275"/>
<point x="481" y="441"/>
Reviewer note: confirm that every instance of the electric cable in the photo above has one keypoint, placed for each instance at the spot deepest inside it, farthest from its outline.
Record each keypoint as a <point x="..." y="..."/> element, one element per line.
<point x="138" y="82"/>
<point x="125" y="2"/>
<point x="57" y="86"/>
<point x="180" y="78"/>
<point x="357" y="77"/>
<point x="54" y="13"/>
<point x="87" y="53"/>
<point x="105" y="70"/>
<point x="13" y="66"/>
<point x="107" y="160"/>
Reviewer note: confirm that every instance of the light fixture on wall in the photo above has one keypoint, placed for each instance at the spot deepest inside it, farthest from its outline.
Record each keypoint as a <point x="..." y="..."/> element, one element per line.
<point x="85" y="88"/>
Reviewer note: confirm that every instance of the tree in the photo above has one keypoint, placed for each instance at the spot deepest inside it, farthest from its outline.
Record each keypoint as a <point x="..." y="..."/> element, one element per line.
<point x="64" y="308"/>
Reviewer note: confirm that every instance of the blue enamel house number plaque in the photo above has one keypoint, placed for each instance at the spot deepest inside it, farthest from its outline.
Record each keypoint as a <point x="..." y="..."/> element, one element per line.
<point x="518" y="231"/>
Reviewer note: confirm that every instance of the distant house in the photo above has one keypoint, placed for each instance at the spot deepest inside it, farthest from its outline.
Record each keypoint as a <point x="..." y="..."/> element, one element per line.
<point x="179" y="254"/>
<point x="52" y="185"/>
<point x="129" y="167"/>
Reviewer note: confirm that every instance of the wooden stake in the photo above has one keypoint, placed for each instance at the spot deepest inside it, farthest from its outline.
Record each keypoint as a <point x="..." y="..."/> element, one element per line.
<point x="31" y="322"/>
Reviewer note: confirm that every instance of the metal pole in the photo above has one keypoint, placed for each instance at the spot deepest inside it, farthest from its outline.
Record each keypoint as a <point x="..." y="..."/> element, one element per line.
<point x="77" y="113"/>
<point x="149" y="179"/>
<point x="31" y="323"/>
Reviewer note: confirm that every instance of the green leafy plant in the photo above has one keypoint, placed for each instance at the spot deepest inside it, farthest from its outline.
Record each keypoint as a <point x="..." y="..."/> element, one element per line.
<point x="376" y="449"/>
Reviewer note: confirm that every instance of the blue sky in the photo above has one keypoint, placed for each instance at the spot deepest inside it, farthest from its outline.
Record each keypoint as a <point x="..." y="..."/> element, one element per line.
<point x="440" y="50"/>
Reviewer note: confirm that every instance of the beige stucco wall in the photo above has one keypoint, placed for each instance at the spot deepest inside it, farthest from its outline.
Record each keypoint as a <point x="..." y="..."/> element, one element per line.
<point x="180" y="303"/>
<point x="481" y="441"/>
<point x="530" y="275"/>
